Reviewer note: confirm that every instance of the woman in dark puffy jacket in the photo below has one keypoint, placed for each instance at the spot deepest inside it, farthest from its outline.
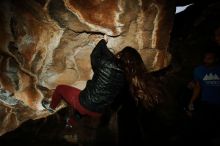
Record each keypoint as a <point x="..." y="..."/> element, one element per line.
<point x="111" y="73"/>
<point x="107" y="81"/>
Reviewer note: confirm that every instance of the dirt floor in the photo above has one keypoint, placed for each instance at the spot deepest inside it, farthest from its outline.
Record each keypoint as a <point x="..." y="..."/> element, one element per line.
<point x="129" y="127"/>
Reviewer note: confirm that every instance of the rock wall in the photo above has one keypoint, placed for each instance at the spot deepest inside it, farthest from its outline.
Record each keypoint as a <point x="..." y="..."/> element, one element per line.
<point x="44" y="43"/>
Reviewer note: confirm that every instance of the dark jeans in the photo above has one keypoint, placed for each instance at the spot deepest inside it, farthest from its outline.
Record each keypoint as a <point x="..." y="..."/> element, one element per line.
<point x="206" y="121"/>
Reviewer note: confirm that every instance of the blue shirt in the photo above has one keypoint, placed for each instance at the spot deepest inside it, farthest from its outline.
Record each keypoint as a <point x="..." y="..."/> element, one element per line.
<point x="209" y="79"/>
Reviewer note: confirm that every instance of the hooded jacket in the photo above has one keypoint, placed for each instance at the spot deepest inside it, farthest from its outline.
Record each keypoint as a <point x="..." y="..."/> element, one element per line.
<point x="107" y="81"/>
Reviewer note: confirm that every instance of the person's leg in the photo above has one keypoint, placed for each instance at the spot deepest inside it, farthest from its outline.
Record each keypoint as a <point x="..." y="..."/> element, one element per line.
<point x="71" y="95"/>
<point x="65" y="92"/>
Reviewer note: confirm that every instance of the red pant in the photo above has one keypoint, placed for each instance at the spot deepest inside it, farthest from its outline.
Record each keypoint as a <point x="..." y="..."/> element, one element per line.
<point x="70" y="95"/>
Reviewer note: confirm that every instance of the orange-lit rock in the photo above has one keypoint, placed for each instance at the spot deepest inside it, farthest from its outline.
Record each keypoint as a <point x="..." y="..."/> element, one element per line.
<point x="44" y="43"/>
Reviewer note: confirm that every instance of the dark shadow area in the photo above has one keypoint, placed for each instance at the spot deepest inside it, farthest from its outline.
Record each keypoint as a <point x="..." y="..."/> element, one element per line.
<point x="46" y="131"/>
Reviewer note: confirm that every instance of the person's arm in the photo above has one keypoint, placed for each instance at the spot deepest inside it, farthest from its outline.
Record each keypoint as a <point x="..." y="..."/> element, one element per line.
<point x="100" y="51"/>
<point x="195" y="95"/>
<point x="97" y="53"/>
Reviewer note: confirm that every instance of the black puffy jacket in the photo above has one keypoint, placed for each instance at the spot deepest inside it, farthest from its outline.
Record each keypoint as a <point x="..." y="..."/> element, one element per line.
<point x="107" y="81"/>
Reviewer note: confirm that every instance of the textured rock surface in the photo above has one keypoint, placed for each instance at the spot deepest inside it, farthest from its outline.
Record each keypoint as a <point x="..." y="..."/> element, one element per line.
<point x="44" y="43"/>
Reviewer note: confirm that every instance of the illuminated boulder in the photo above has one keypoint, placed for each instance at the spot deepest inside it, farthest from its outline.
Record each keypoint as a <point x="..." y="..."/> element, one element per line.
<point x="44" y="43"/>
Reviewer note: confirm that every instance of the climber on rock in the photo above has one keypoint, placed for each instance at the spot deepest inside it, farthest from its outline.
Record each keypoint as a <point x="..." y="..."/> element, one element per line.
<point x="112" y="74"/>
<point x="107" y="81"/>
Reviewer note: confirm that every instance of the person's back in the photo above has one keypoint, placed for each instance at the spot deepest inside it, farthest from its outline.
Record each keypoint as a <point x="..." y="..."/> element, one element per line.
<point x="107" y="81"/>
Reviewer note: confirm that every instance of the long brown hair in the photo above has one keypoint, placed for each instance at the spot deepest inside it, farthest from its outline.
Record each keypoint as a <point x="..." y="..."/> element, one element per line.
<point x="144" y="88"/>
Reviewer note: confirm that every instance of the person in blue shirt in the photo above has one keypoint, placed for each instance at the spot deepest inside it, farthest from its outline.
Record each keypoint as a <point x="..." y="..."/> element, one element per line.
<point x="207" y="80"/>
<point x="206" y="93"/>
